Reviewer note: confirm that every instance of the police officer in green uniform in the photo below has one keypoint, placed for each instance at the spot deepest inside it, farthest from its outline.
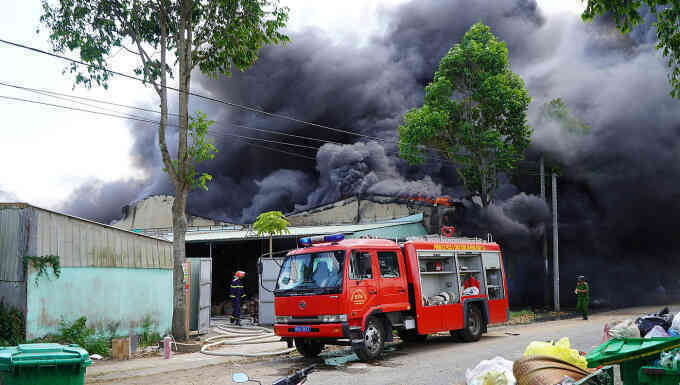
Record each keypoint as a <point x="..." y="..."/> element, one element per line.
<point x="583" y="294"/>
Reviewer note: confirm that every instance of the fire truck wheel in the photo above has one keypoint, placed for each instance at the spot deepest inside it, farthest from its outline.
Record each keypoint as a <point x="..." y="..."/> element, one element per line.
<point x="411" y="335"/>
<point x="474" y="329"/>
<point x="308" y="348"/>
<point x="374" y="341"/>
<point x="456" y="335"/>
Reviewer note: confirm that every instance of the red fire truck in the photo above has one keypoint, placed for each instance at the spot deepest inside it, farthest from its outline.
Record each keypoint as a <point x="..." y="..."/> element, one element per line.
<point x="356" y="291"/>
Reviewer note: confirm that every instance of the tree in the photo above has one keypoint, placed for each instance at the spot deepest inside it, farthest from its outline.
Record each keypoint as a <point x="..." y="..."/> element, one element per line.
<point x="271" y="223"/>
<point x="213" y="35"/>
<point x="557" y="111"/>
<point x="474" y="113"/>
<point x="627" y="15"/>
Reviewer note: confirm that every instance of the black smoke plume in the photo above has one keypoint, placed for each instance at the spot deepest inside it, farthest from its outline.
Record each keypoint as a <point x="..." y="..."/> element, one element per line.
<point x="618" y="190"/>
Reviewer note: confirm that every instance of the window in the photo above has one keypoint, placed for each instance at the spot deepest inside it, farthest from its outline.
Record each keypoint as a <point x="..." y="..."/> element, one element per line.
<point x="494" y="278"/>
<point x="360" y="266"/>
<point x="389" y="264"/>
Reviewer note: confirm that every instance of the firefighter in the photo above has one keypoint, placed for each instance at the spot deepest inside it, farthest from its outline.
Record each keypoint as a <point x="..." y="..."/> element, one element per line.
<point x="470" y="281"/>
<point x="237" y="294"/>
<point x="583" y="295"/>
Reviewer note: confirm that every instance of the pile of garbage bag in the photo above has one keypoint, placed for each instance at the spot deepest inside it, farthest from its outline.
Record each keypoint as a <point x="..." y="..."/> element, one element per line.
<point x="561" y="350"/>
<point x="543" y="363"/>
<point x="660" y="324"/>
<point x="496" y="371"/>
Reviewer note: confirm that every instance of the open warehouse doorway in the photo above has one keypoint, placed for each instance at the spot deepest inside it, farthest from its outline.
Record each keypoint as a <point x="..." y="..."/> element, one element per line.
<point x="231" y="256"/>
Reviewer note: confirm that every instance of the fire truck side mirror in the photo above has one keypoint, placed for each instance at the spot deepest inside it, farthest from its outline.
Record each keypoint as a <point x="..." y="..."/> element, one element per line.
<point x="259" y="267"/>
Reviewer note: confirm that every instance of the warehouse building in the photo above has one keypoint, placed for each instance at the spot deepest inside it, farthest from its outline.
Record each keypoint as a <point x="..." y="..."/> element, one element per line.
<point x="117" y="279"/>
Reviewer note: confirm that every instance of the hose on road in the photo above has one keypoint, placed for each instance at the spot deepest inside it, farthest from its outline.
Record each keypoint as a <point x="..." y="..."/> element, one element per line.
<point x="242" y="335"/>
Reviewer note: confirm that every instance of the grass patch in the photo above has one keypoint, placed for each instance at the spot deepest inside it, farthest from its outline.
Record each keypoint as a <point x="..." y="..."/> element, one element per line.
<point x="78" y="333"/>
<point x="522" y="316"/>
<point x="12" y="325"/>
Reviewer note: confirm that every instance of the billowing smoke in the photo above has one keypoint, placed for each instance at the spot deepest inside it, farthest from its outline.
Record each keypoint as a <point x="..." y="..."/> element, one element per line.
<point x="362" y="168"/>
<point x="618" y="195"/>
<point x="101" y="201"/>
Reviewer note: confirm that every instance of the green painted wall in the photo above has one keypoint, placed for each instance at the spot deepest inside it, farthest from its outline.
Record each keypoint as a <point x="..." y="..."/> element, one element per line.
<point x="104" y="295"/>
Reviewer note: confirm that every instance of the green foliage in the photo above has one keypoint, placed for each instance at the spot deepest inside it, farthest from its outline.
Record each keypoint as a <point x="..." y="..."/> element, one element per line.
<point x="225" y="33"/>
<point x="42" y="264"/>
<point x="557" y="111"/>
<point x="474" y="113"/>
<point x="12" y="325"/>
<point x="627" y="16"/>
<point x="149" y="337"/>
<point x="271" y="223"/>
<point x="199" y="150"/>
<point x="78" y="333"/>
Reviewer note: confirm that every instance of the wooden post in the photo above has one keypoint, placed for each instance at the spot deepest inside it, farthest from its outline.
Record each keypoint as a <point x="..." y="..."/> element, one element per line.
<point x="187" y="294"/>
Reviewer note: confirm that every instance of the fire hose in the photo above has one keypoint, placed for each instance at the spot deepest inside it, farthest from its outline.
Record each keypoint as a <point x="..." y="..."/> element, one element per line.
<point x="242" y="335"/>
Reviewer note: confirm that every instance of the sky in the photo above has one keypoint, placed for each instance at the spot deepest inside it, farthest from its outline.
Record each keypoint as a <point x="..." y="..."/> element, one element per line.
<point x="46" y="153"/>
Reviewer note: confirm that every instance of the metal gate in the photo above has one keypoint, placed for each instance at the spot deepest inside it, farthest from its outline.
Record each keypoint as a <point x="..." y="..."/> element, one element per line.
<point x="269" y="275"/>
<point x="201" y="292"/>
<point x="205" y="293"/>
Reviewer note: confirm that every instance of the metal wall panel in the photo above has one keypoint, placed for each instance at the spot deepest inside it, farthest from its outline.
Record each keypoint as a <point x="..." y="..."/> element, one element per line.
<point x="80" y="243"/>
<point x="13" y="239"/>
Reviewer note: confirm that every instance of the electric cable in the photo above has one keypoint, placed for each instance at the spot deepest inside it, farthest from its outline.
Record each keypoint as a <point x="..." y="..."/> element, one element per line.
<point x="62" y="96"/>
<point x="149" y="121"/>
<point x="209" y="98"/>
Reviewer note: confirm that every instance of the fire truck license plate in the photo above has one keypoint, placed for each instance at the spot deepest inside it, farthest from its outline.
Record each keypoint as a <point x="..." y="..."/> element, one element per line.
<point x="305" y="329"/>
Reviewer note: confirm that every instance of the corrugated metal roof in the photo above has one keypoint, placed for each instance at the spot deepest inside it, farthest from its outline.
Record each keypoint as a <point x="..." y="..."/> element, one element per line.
<point x="22" y="205"/>
<point x="234" y="235"/>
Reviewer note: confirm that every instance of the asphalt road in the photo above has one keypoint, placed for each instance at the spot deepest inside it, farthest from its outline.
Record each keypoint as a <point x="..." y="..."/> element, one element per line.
<point x="440" y="360"/>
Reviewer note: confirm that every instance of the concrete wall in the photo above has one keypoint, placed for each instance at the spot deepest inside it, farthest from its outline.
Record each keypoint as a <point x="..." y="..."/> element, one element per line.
<point x="367" y="210"/>
<point x="344" y="211"/>
<point x="156" y="212"/>
<point x="103" y="295"/>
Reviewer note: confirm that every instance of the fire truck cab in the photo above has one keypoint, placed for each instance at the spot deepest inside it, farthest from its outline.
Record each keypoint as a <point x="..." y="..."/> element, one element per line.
<point x="357" y="291"/>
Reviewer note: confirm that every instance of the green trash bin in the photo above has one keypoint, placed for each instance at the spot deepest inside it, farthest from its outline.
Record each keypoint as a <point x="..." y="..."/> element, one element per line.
<point x="603" y="376"/>
<point x="43" y="364"/>
<point x="653" y="375"/>
<point x="631" y="354"/>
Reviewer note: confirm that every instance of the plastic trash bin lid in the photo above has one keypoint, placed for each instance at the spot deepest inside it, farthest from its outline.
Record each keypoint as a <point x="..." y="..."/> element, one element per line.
<point x="43" y="355"/>
<point x="618" y="350"/>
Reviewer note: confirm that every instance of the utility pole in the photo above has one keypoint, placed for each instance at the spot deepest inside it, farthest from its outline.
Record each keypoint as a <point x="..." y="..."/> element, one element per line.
<point x="556" y="259"/>
<point x="546" y="283"/>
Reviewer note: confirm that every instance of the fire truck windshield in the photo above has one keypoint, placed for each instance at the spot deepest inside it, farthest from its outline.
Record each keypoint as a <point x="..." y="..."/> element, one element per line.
<point x="314" y="273"/>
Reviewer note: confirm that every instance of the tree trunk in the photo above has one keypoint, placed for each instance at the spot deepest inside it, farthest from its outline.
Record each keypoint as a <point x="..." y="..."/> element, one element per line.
<point x="184" y="41"/>
<point x="179" y="226"/>
<point x="270" y="247"/>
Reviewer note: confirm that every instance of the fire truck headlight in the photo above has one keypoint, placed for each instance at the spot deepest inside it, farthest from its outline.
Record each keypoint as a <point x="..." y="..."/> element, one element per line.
<point x="282" y="319"/>
<point x="333" y="318"/>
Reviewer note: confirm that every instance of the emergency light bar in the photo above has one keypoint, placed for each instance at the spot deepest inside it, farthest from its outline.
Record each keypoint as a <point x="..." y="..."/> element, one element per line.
<point x="308" y="241"/>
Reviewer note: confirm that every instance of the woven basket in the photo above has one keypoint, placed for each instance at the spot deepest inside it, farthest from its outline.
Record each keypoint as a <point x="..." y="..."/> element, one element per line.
<point x="544" y="370"/>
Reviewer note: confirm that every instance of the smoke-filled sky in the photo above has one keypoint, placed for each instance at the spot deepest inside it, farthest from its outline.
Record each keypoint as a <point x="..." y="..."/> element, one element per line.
<point x="618" y="192"/>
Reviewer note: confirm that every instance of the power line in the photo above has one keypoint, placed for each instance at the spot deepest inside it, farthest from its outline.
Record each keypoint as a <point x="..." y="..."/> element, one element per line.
<point x="53" y="93"/>
<point x="70" y="98"/>
<point x="149" y="121"/>
<point x="143" y="120"/>
<point x="226" y="102"/>
<point x="215" y="100"/>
